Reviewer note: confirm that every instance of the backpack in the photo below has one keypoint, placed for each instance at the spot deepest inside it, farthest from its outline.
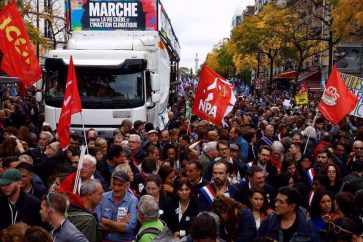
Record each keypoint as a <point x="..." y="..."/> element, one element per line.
<point x="161" y="236"/>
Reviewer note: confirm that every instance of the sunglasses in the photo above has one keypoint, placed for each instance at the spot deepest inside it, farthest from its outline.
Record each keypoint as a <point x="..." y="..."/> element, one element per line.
<point x="339" y="231"/>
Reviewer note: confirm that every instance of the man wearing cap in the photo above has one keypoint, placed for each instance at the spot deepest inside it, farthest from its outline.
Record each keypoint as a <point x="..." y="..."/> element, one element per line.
<point x="152" y="139"/>
<point x="117" y="211"/>
<point x="16" y="205"/>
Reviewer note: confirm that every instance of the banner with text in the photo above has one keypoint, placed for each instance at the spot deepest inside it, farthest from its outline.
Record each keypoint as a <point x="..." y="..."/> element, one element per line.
<point x="355" y="84"/>
<point x="113" y="15"/>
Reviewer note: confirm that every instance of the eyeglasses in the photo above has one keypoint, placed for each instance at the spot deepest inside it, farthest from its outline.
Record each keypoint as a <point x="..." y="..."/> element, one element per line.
<point x="280" y="202"/>
<point x="337" y="229"/>
<point x="331" y="172"/>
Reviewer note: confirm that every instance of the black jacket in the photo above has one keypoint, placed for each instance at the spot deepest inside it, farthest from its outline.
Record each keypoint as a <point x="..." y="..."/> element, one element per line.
<point x="184" y="224"/>
<point x="27" y="208"/>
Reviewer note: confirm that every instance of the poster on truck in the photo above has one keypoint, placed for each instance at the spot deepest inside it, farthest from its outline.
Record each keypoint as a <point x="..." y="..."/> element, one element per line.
<point x="112" y="15"/>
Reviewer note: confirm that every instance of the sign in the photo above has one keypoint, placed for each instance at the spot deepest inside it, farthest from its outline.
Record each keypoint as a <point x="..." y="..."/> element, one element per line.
<point x="166" y="30"/>
<point x="113" y="15"/>
<point x="355" y="84"/>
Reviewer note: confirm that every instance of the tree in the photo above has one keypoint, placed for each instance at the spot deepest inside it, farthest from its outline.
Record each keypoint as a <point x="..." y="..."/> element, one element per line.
<point x="299" y="37"/>
<point x="348" y="18"/>
<point x="254" y="37"/>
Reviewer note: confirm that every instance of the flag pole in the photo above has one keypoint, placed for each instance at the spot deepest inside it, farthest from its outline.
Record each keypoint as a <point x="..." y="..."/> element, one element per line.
<point x="84" y="133"/>
<point x="80" y="163"/>
<point x="313" y="124"/>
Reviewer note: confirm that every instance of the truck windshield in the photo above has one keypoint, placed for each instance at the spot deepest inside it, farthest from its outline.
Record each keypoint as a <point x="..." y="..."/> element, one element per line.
<point x="99" y="88"/>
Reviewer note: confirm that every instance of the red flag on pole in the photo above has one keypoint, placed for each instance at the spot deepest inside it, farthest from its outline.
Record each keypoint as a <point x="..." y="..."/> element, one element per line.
<point x="337" y="100"/>
<point x="214" y="97"/>
<point x="71" y="105"/>
<point x="19" y="59"/>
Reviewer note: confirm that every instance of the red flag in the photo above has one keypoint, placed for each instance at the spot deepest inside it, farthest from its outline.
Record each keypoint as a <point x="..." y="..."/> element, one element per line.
<point x="214" y="98"/>
<point x="71" y="105"/>
<point x="19" y="59"/>
<point x="337" y="100"/>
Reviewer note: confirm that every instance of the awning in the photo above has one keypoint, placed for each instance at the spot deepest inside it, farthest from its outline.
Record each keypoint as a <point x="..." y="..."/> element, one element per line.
<point x="285" y="75"/>
<point x="310" y="76"/>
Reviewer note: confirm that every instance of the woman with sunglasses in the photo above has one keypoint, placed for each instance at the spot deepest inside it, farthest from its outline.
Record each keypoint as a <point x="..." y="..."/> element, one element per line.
<point x="184" y="208"/>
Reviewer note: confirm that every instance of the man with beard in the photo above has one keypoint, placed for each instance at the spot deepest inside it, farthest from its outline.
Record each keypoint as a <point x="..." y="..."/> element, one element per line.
<point x="152" y="139"/>
<point x="236" y="168"/>
<point x="15" y="204"/>
<point x="45" y="138"/>
<point x="219" y="185"/>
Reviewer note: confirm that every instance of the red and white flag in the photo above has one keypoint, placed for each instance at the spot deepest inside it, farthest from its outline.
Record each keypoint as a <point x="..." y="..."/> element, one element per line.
<point x="71" y="105"/>
<point x="337" y="100"/>
<point x="214" y="97"/>
<point x="19" y="59"/>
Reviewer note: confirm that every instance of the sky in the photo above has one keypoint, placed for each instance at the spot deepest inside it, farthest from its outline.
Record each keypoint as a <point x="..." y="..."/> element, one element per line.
<point x="201" y="24"/>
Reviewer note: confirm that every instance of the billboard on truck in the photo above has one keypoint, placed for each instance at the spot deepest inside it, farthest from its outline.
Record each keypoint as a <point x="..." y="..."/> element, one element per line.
<point x="112" y="15"/>
<point x="166" y="30"/>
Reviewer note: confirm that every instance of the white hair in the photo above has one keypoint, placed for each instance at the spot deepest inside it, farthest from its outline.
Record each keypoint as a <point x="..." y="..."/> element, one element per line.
<point x="135" y="136"/>
<point x="277" y="145"/>
<point x="211" y="145"/>
<point x="310" y="130"/>
<point x="49" y="135"/>
<point x="149" y="208"/>
<point x="90" y="158"/>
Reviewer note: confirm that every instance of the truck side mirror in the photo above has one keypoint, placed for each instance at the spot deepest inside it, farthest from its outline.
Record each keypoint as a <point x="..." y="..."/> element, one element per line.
<point x="155" y="82"/>
<point x="155" y="98"/>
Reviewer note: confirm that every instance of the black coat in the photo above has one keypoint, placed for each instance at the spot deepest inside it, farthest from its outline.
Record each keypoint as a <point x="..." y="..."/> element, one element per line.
<point x="243" y="191"/>
<point x="184" y="224"/>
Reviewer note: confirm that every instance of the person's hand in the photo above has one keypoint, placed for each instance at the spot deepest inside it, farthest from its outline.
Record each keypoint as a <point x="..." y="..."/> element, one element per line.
<point x="327" y="218"/>
<point x="126" y="218"/>
<point x="168" y="188"/>
<point x="177" y="234"/>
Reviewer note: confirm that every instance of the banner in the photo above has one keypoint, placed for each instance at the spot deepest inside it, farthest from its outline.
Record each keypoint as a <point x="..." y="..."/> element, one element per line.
<point x="19" y="59"/>
<point x="71" y="105"/>
<point x="113" y="15"/>
<point x="214" y="97"/>
<point x="355" y="84"/>
<point x="337" y="100"/>
<point x="301" y="97"/>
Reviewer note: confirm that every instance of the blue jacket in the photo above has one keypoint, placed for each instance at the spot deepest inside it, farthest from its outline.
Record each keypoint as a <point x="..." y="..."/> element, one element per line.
<point x="305" y="230"/>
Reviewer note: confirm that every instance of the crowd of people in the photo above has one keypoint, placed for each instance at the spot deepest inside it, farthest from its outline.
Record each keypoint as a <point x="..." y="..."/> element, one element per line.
<point x="273" y="173"/>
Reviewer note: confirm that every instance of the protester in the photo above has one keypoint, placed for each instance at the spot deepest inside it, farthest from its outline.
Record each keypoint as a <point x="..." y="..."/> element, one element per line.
<point x="15" y="204"/>
<point x="288" y="222"/>
<point x="52" y="211"/>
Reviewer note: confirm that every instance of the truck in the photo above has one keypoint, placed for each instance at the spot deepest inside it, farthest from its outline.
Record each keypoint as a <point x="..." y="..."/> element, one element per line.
<point x="126" y="57"/>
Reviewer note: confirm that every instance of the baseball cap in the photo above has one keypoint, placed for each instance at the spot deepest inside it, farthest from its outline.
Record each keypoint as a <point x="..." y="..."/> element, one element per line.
<point x="153" y="131"/>
<point x="234" y="147"/>
<point x="122" y="176"/>
<point x="10" y="176"/>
